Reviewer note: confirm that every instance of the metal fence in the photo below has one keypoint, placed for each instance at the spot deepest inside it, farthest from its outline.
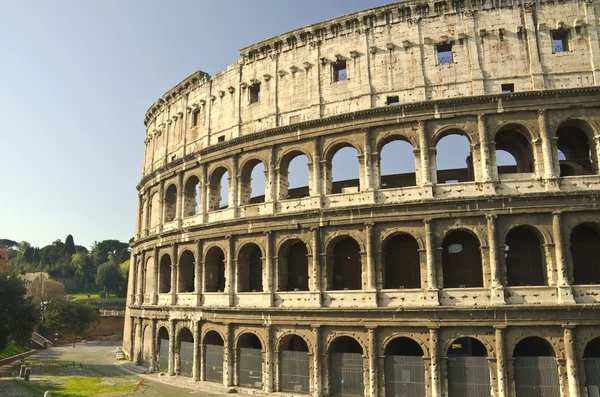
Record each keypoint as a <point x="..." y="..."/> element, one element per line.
<point x="347" y="374"/>
<point x="163" y="355"/>
<point x="592" y="376"/>
<point x="294" y="371"/>
<point x="536" y="377"/>
<point x="213" y="363"/>
<point x="404" y="376"/>
<point x="186" y="358"/>
<point x="250" y="367"/>
<point x="468" y="377"/>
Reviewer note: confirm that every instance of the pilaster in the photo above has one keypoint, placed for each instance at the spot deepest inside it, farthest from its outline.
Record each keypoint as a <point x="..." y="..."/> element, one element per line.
<point x="565" y="293"/>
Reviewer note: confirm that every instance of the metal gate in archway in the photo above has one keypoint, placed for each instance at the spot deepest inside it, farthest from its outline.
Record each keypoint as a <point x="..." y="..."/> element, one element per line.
<point x="250" y="366"/>
<point x="294" y="371"/>
<point x="347" y="377"/>
<point x="186" y="358"/>
<point x="536" y="377"/>
<point x="468" y="376"/>
<point x="404" y="376"/>
<point x="163" y="354"/>
<point x="213" y="363"/>
<point x="592" y="376"/>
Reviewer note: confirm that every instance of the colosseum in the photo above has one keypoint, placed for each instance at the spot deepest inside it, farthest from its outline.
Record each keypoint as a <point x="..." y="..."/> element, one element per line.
<point x="478" y="279"/>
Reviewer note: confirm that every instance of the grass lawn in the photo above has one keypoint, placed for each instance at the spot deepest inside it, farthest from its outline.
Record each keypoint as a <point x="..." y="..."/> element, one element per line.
<point x="81" y="387"/>
<point x="12" y="350"/>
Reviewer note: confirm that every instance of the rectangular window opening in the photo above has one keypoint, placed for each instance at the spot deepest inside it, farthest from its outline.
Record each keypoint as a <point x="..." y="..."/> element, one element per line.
<point x="254" y="93"/>
<point x="195" y="116"/>
<point x="560" y="41"/>
<point x="393" y="100"/>
<point x="444" y="54"/>
<point x="339" y="71"/>
<point x="507" y="88"/>
<point x="221" y="138"/>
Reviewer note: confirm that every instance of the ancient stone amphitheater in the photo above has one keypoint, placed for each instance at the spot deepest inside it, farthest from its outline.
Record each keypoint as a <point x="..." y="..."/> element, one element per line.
<point x="477" y="280"/>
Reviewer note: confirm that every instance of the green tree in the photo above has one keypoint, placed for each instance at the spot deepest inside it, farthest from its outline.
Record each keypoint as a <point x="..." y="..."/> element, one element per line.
<point x="124" y="272"/>
<point x="101" y="251"/>
<point x="7" y="244"/>
<point x="18" y="314"/>
<point x="69" y="246"/>
<point x="82" y="269"/>
<point x="44" y="289"/>
<point x="108" y="277"/>
<point x="70" y="318"/>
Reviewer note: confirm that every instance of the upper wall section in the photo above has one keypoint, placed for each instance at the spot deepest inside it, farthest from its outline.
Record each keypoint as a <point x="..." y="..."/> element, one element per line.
<point x="401" y="53"/>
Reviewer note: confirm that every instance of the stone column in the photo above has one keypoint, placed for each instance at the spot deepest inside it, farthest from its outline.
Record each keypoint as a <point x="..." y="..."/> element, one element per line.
<point x="565" y="294"/>
<point x="268" y="282"/>
<point x="425" y="170"/>
<point x="268" y="362"/>
<point x="180" y="199"/>
<point x="272" y="180"/>
<point x="172" y="341"/>
<point x="174" y="274"/>
<point x="500" y="361"/>
<point x="371" y="278"/>
<point x="233" y="186"/>
<point x="548" y="155"/>
<point x="161" y="206"/>
<point x="368" y="171"/>
<point x="204" y="184"/>
<point x="497" y="290"/>
<point x="436" y="387"/>
<point x="140" y="347"/>
<point x="317" y="356"/>
<point x="486" y="163"/>
<point x="198" y="271"/>
<point x="372" y="362"/>
<point x="155" y="276"/>
<point x="153" y="366"/>
<point x="316" y="260"/>
<point x="229" y="281"/>
<point x="197" y="356"/>
<point x="147" y="214"/>
<point x="316" y="169"/>
<point x="534" y="56"/>
<point x="140" y="279"/>
<point x="571" y="358"/>
<point x="228" y="357"/>
<point x="432" y="289"/>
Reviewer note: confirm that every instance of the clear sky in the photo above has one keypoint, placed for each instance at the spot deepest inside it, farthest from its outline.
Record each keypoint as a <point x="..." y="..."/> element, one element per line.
<point x="76" y="78"/>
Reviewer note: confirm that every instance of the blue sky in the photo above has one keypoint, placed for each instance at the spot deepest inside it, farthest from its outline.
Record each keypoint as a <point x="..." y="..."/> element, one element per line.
<point x="76" y="79"/>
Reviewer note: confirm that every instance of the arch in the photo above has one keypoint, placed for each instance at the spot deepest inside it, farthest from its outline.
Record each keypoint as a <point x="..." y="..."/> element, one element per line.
<point x="515" y="140"/>
<point x="294" y="175"/>
<point x="523" y="256"/>
<point x="218" y="188"/>
<point x="250" y="360"/>
<point x="585" y="253"/>
<point x="535" y="368"/>
<point x="146" y="346"/>
<point x="591" y="360"/>
<point x="346" y="366"/>
<point x="148" y="276"/>
<point x="154" y="210"/>
<point x="293" y="266"/>
<point x="213" y="356"/>
<point x="187" y="263"/>
<point x="164" y="277"/>
<point x="468" y="372"/>
<point x="340" y="177"/>
<point x="401" y="262"/>
<point x="403" y="346"/>
<point x="170" y="203"/>
<point x="250" y="268"/>
<point x="214" y="268"/>
<point x="213" y="337"/>
<point x="345" y="272"/>
<point x="450" y="148"/>
<point x="185" y="347"/>
<point x="191" y="196"/>
<point x="461" y="260"/>
<point x="252" y="187"/>
<point x="294" y="369"/>
<point x="575" y="142"/>
<point x="396" y="162"/>
<point x="163" y="348"/>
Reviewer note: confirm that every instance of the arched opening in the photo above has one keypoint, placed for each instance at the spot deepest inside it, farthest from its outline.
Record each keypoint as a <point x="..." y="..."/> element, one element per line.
<point x="514" y="154"/>
<point x="535" y="369"/>
<point x="402" y="262"/>
<point x="252" y="183"/>
<point x="591" y="359"/>
<point x="170" y="203"/>
<point x="218" y="189"/>
<point x="585" y="253"/>
<point x="294" y="178"/>
<point x="523" y="256"/>
<point x="186" y="352"/>
<point x="293" y="365"/>
<point x="404" y="368"/>
<point x="454" y="159"/>
<point x="186" y="272"/>
<point x="214" y="266"/>
<point x="191" y="196"/>
<point x="467" y="370"/>
<point x="147" y="346"/>
<point x="461" y="260"/>
<point x="346" y="367"/>
<point x="346" y="272"/>
<point x="154" y="211"/>
<point x="397" y="164"/>
<point x="148" y="277"/>
<point x="250" y="361"/>
<point x="164" y="279"/>
<point x="574" y="145"/>
<point x="250" y="269"/>
<point x="344" y="171"/>
<point x="213" y="357"/>
<point x="163" y="349"/>
<point x="293" y="267"/>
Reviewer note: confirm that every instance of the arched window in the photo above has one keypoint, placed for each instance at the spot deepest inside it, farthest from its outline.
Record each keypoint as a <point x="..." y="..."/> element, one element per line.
<point x="170" y="203"/>
<point x="186" y="272"/>
<point x="347" y="267"/>
<point x="346" y="366"/>
<point x="585" y="252"/>
<point x="213" y="357"/>
<point x="404" y="369"/>
<point x="535" y="369"/>
<point x="186" y="352"/>
<point x="218" y="189"/>
<point x="524" y="263"/>
<point x="513" y="152"/>
<point x="163" y="349"/>
<point x="468" y="371"/>
<point x="191" y="197"/>
<point x="591" y="358"/>
<point x="293" y="365"/>
<point x="397" y="164"/>
<point x="164" y="280"/>
<point x="214" y="266"/>
<point x="573" y="144"/>
<point x="252" y="183"/>
<point x="461" y="260"/>
<point x="293" y="269"/>
<point x="294" y="178"/>
<point x="344" y="171"/>
<point x="454" y="160"/>
<point x="402" y="262"/>
<point x="250" y="361"/>
<point x="250" y="269"/>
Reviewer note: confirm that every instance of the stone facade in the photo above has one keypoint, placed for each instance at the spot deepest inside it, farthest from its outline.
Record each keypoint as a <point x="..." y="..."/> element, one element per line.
<point x="386" y="284"/>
